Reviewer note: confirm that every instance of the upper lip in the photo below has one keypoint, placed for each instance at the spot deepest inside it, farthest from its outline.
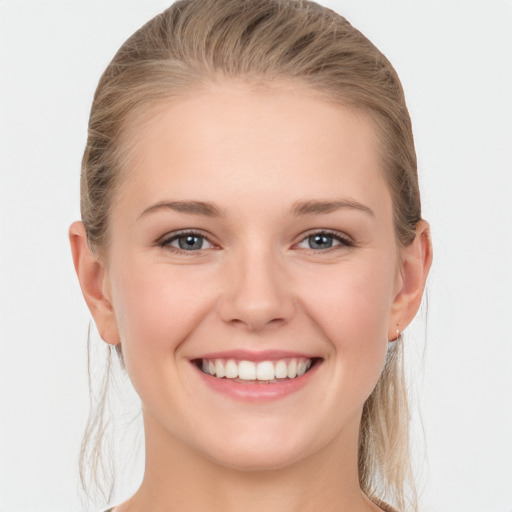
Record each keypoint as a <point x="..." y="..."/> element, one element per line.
<point x="250" y="355"/>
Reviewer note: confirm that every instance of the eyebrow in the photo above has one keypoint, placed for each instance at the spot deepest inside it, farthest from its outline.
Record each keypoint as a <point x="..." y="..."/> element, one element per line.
<point x="191" y="207"/>
<point x="322" y="207"/>
<point x="299" y="208"/>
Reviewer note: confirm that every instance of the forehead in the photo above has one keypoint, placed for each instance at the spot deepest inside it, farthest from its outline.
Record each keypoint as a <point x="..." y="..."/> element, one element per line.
<point x="232" y="139"/>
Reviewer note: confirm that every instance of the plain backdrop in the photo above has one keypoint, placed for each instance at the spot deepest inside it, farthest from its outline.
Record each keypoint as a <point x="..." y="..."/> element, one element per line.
<point x="455" y="62"/>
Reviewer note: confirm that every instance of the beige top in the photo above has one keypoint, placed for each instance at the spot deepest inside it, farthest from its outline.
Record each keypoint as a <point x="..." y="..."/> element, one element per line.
<point x="381" y="504"/>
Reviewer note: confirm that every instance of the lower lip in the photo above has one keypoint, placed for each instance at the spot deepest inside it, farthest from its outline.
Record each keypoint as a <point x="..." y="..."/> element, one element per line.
<point x="253" y="391"/>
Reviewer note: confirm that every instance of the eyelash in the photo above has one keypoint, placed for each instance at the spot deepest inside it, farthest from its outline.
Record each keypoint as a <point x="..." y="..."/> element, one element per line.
<point x="344" y="241"/>
<point x="166" y="241"/>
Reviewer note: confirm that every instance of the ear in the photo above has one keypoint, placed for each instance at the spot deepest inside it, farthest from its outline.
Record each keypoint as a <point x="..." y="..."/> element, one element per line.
<point x="415" y="265"/>
<point x="94" y="283"/>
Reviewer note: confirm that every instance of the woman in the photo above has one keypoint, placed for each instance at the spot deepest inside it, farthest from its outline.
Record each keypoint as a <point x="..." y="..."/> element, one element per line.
<point x="252" y="245"/>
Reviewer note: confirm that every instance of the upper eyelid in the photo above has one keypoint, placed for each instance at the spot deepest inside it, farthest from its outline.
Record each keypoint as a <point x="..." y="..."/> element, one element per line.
<point x="183" y="232"/>
<point x="165" y="243"/>
<point x="329" y="232"/>
<point x="197" y="232"/>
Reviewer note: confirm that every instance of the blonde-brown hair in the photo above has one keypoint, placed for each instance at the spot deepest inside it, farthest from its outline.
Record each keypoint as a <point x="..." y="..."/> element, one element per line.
<point x="195" y="42"/>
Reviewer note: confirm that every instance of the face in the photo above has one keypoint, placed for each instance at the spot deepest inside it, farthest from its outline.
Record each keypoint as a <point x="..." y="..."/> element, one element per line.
<point x="252" y="270"/>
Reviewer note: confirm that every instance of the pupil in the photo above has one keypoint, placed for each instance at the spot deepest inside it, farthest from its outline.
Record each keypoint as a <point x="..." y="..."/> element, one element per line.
<point x="320" y="242"/>
<point x="190" y="242"/>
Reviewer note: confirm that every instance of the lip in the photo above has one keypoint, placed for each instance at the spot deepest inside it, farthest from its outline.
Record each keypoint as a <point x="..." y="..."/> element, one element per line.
<point x="249" y="355"/>
<point x="254" y="391"/>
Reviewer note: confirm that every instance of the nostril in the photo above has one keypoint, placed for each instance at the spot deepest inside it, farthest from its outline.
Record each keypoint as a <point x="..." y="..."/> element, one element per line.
<point x="257" y="303"/>
<point x="251" y="323"/>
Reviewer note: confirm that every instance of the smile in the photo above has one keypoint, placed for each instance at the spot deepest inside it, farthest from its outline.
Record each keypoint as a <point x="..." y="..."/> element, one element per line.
<point x="270" y="371"/>
<point x="256" y="377"/>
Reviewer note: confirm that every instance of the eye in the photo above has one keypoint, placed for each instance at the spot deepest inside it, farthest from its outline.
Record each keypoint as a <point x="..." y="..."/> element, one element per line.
<point x="324" y="240"/>
<point x="187" y="241"/>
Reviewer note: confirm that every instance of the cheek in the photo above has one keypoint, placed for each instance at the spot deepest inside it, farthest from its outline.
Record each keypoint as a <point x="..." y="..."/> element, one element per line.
<point x="353" y="299"/>
<point x="157" y="307"/>
<point x="352" y="307"/>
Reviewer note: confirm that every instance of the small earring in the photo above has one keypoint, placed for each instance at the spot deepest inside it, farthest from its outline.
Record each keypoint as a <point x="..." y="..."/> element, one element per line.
<point x="398" y="336"/>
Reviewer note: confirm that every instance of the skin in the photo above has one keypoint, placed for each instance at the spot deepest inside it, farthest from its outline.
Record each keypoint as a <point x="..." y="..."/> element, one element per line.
<point x="255" y="284"/>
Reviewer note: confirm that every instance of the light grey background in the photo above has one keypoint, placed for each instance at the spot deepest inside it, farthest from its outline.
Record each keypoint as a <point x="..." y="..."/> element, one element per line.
<point x="454" y="59"/>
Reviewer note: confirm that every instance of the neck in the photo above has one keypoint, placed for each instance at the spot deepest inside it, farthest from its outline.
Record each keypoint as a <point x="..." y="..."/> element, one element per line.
<point x="179" y="479"/>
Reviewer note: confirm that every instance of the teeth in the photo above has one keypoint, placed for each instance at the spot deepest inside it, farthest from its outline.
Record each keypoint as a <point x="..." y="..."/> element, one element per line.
<point x="231" y="369"/>
<point x="219" y="369"/>
<point x="281" y="370"/>
<point x="264" y="370"/>
<point x="246" y="370"/>
<point x="301" y="368"/>
<point x="292" y="369"/>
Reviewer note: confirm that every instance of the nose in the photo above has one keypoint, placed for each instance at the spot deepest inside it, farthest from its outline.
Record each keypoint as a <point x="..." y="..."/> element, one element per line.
<point x="258" y="294"/>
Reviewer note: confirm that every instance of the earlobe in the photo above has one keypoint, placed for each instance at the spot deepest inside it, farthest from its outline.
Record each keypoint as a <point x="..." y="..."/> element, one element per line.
<point x="416" y="262"/>
<point x="94" y="284"/>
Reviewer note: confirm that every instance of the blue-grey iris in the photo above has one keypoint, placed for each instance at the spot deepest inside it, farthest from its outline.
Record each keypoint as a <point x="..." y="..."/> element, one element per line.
<point x="190" y="242"/>
<point x="320" y="241"/>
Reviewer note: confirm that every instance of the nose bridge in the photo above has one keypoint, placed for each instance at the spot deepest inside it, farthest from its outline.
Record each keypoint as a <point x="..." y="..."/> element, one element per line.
<point x="259" y="293"/>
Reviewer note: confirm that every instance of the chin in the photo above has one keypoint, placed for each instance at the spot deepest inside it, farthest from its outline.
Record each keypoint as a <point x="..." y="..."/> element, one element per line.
<point x="256" y="460"/>
<point x="265" y="450"/>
